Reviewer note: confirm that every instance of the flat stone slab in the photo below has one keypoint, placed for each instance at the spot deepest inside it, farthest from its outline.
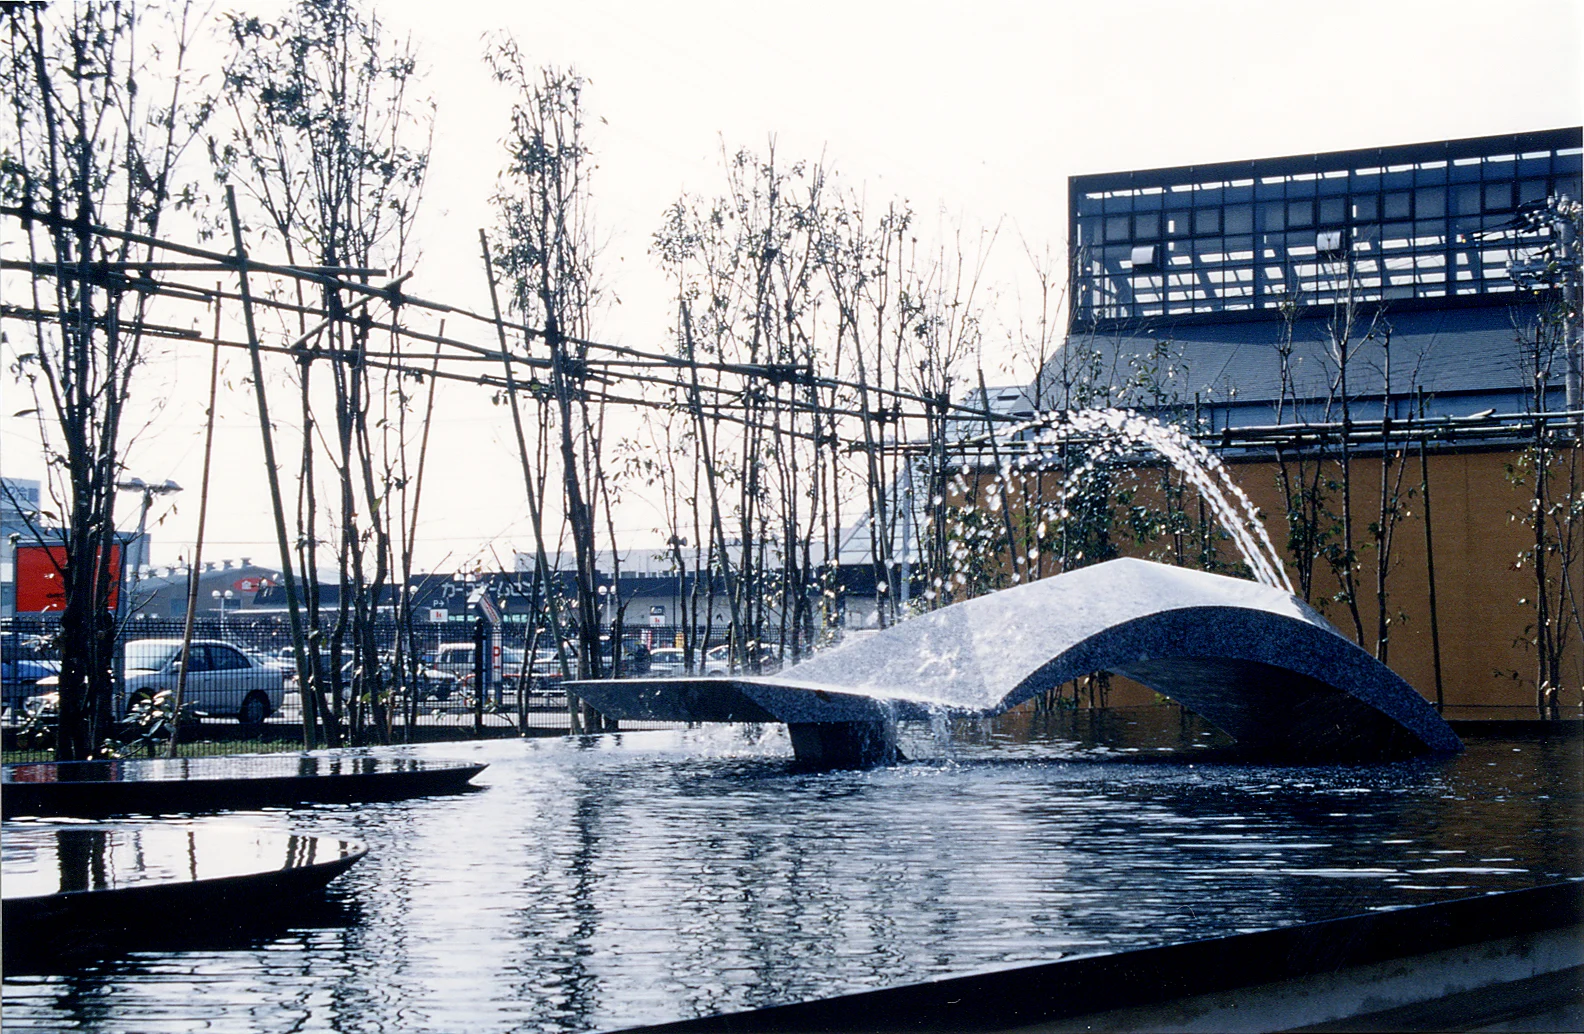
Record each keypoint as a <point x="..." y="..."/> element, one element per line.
<point x="189" y="785"/>
<point x="1255" y="661"/>
<point x="72" y="888"/>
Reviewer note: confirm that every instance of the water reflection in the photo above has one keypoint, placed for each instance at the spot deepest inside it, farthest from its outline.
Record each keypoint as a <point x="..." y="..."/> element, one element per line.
<point x="45" y="857"/>
<point x="263" y="766"/>
<point x="648" y="877"/>
<point x="81" y="858"/>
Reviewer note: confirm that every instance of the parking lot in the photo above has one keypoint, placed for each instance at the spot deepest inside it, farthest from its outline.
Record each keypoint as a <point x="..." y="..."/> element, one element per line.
<point x="240" y="683"/>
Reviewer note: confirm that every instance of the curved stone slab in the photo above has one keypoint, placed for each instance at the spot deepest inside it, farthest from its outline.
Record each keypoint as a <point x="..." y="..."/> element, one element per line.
<point x="1254" y="661"/>
<point x="88" y="888"/>
<point x="154" y="786"/>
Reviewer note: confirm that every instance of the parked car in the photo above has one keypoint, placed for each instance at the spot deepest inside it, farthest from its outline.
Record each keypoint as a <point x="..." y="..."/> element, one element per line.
<point x="24" y="660"/>
<point x="548" y="662"/>
<point x="221" y="679"/>
<point x="275" y="659"/>
<point x="434" y="684"/>
<point x="21" y="675"/>
<point x="667" y="662"/>
<point x="431" y="682"/>
<point x="718" y="660"/>
<point x="457" y="659"/>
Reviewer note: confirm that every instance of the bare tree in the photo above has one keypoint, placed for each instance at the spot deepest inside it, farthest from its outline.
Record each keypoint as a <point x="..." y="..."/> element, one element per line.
<point x="1300" y="473"/>
<point x="1346" y="330"/>
<point x="332" y="148"/>
<point x="102" y="107"/>
<point x="1551" y="467"/>
<point x="546" y="249"/>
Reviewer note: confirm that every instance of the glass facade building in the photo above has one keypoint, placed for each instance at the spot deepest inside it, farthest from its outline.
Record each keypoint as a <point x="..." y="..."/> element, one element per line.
<point x="1419" y="221"/>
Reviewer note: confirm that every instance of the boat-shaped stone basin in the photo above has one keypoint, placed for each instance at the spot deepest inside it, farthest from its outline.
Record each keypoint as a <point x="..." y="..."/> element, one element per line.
<point x="190" y="785"/>
<point x="82" y="886"/>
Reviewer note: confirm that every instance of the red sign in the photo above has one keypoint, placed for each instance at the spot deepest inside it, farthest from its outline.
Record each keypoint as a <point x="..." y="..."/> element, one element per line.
<point x="252" y="583"/>
<point x="38" y="578"/>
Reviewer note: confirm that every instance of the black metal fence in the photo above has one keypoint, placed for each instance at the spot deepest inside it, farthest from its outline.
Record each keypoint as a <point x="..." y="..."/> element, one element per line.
<point x="241" y="680"/>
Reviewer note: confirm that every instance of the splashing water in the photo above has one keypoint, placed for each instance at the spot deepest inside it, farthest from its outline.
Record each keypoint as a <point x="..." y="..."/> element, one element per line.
<point x="1118" y="430"/>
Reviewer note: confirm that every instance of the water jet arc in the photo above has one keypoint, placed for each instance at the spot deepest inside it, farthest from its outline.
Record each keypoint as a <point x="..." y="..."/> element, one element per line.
<point x="1255" y="661"/>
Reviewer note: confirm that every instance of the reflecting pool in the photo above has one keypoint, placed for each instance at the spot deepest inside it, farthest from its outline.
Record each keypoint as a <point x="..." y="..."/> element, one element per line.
<point x="653" y="876"/>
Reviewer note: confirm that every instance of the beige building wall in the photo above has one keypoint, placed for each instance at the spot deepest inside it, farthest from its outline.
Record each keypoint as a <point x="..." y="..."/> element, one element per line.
<point x="1484" y="596"/>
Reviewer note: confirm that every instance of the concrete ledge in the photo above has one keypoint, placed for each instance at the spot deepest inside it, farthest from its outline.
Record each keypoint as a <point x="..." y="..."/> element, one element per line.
<point x="1327" y="972"/>
<point x="84" y="890"/>
<point x="1442" y="990"/>
<point x="1541" y="728"/>
<point x="189" y="785"/>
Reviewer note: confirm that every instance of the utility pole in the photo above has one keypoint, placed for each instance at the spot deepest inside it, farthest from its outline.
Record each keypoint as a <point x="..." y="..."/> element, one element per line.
<point x="149" y="492"/>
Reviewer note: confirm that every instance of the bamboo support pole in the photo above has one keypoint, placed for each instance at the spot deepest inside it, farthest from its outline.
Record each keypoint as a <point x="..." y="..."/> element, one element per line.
<point x="541" y="559"/>
<point x="196" y="563"/>
<point x="272" y="475"/>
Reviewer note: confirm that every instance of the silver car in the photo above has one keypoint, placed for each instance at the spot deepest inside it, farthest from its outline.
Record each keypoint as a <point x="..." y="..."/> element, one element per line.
<point x="667" y="662"/>
<point x="221" y="678"/>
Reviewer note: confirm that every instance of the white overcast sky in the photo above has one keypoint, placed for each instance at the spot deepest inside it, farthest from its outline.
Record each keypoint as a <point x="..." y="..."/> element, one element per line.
<point x="975" y="113"/>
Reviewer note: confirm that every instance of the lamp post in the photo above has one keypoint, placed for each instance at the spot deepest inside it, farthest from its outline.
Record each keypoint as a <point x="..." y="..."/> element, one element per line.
<point x="677" y="542"/>
<point x="166" y="487"/>
<point x="224" y="600"/>
<point x="604" y="619"/>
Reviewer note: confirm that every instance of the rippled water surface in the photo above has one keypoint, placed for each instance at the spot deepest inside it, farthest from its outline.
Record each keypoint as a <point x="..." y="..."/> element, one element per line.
<point x="656" y="876"/>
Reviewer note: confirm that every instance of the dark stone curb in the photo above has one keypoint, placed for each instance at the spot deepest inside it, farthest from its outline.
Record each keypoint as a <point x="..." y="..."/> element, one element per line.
<point x="101" y="797"/>
<point x="44" y="929"/>
<point x="1046" y="992"/>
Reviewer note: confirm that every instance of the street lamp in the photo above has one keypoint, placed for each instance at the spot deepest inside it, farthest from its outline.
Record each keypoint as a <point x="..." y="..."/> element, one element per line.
<point x="677" y="544"/>
<point x="149" y="491"/>
<point x="224" y="599"/>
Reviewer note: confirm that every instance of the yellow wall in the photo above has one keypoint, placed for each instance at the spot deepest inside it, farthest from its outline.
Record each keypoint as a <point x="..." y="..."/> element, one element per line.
<point x="1479" y="583"/>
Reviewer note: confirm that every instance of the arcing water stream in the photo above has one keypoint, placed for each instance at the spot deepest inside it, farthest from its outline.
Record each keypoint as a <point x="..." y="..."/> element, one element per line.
<point x="1110" y="434"/>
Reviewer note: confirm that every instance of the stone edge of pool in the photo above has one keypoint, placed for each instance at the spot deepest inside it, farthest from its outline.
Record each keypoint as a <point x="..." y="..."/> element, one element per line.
<point x="1511" y="953"/>
<point x="94" y="798"/>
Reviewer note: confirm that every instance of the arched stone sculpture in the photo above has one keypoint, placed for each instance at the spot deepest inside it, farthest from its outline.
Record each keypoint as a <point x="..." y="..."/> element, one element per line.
<point x="1254" y="661"/>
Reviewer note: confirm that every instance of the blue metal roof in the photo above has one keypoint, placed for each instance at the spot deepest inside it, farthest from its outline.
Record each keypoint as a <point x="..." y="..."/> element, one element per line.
<point x="1443" y="352"/>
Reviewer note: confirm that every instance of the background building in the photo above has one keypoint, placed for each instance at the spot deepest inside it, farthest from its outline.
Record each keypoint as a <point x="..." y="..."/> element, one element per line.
<point x="19" y="503"/>
<point x="1408" y="300"/>
<point x="1211" y="268"/>
<point x="224" y="587"/>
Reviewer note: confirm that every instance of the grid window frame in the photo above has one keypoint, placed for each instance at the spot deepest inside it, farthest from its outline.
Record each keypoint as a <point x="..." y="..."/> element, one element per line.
<point x="1404" y="213"/>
